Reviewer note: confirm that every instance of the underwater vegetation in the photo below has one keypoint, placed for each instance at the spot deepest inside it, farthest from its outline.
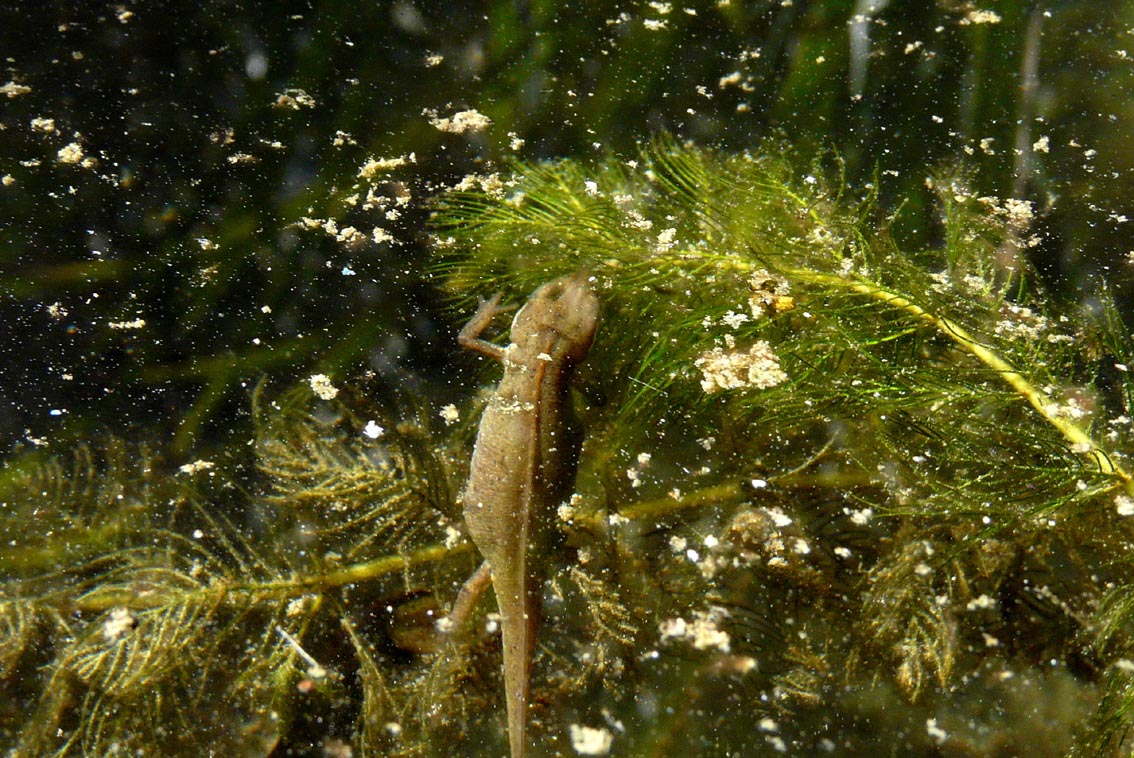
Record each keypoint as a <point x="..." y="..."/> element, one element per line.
<point x="835" y="496"/>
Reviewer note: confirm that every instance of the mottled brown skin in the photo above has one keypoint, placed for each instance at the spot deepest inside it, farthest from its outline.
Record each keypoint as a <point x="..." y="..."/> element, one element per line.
<point x="524" y="463"/>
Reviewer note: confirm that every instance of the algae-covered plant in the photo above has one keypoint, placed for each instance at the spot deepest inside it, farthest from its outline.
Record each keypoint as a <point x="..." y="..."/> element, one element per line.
<point x="835" y="497"/>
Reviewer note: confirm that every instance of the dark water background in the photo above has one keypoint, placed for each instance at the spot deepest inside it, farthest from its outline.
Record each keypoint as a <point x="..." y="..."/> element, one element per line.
<point x="175" y="102"/>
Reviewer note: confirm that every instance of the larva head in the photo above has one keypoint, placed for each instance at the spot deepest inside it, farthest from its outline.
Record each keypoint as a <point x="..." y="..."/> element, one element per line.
<point x="567" y="307"/>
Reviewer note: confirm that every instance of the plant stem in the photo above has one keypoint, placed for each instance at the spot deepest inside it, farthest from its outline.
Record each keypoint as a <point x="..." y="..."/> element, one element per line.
<point x="1080" y="440"/>
<point x="286" y="588"/>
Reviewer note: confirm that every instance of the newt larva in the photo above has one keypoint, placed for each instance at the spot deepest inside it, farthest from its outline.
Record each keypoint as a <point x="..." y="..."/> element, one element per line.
<point x="523" y="467"/>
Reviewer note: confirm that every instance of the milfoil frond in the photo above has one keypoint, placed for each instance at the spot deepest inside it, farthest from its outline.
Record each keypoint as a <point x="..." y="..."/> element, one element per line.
<point x="763" y="335"/>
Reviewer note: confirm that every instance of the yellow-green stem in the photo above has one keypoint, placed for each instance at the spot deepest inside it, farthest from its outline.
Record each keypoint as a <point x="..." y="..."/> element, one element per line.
<point x="1073" y="433"/>
<point x="285" y="588"/>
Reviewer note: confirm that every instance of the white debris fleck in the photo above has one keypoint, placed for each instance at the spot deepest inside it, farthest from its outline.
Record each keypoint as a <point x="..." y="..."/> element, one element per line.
<point x="1071" y="409"/>
<point x="1041" y="145"/>
<point x="11" y="89"/>
<point x="779" y="518"/>
<point x="118" y="624"/>
<point x="981" y="603"/>
<point x="729" y="80"/>
<point x="294" y="99"/>
<point x="137" y="323"/>
<point x="1018" y="212"/>
<point x="445" y="624"/>
<point x="566" y="513"/>
<point x="1022" y="322"/>
<point x="348" y="236"/>
<point x="299" y="606"/>
<point x="322" y="387"/>
<point x="37" y="441"/>
<point x="195" y="467"/>
<point x="70" y="154"/>
<point x="980" y="17"/>
<point x="936" y="733"/>
<point x="375" y="166"/>
<point x="491" y="185"/>
<point x="673" y="629"/>
<point x="372" y="430"/>
<point x="460" y="122"/>
<point x="667" y="238"/>
<point x="449" y="414"/>
<point x="614" y="723"/>
<point x="757" y="367"/>
<point x="702" y="633"/>
<point x="237" y="159"/>
<point x="1124" y="504"/>
<point x="862" y="517"/>
<point x="733" y="320"/>
<point x="587" y="740"/>
<point x="678" y="544"/>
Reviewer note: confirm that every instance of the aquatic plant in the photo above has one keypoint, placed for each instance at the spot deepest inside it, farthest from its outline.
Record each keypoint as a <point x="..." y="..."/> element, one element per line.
<point x="835" y="494"/>
<point x="916" y="440"/>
